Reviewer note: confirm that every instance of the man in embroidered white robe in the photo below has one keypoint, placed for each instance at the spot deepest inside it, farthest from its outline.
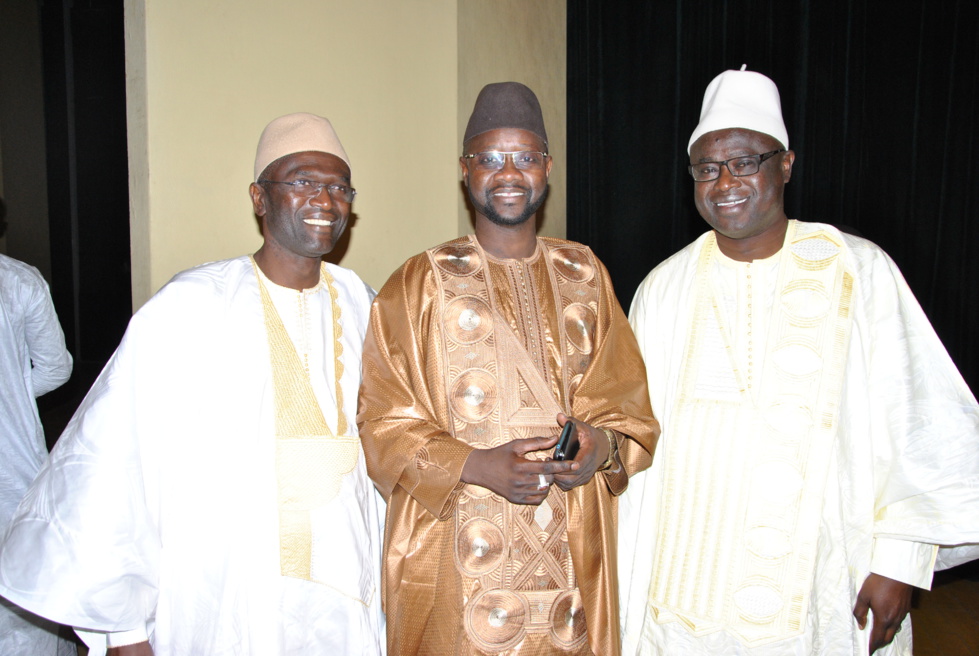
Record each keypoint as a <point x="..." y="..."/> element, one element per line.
<point x="33" y="361"/>
<point x="210" y="495"/>
<point x="818" y="443"/>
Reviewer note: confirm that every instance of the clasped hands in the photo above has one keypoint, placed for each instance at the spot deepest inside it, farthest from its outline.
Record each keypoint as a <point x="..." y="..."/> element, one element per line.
<point x="507" y="471"/>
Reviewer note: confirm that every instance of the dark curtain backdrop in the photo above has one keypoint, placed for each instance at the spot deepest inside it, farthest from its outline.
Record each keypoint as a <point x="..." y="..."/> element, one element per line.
<point x="881" y="102"/>
<point x="84" y="68"/>
<point x="83" y="53"/>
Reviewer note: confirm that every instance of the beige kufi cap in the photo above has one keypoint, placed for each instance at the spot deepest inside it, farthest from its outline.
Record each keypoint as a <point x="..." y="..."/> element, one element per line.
<point x="741" y="99"/>
<point x="296" y="133"/>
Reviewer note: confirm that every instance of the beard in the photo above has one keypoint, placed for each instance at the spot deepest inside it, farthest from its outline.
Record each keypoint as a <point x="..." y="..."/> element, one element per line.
<point x="486" y="209"/>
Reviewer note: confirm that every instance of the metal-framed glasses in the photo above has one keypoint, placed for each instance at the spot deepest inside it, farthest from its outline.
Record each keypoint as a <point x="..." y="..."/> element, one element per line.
<point x="738" y="166"/>
<point x="494" y="160"/>
<point x="311" y="189"/>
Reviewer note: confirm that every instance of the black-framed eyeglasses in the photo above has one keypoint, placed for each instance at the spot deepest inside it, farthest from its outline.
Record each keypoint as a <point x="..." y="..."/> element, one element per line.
<point x="494" y="160"/>
<point x="738" y="166"/>
<point x="311" y="189"/>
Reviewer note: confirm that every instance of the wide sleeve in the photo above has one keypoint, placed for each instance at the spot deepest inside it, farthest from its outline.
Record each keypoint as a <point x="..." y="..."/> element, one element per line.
<point x="924" y="423"/>
<point x="50" y="360"/>
<point x="82" y="548"/>
<point x="613" y="392"/>
<point x="402" y="408"/>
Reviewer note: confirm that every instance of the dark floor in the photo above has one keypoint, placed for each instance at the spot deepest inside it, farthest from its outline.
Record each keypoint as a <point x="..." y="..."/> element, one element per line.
<point x="945" y="620"/>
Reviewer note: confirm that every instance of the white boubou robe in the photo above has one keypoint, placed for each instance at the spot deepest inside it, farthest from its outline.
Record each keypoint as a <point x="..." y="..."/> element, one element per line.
<point x="890" y="469"/>
<point x="158" y="510"/>
<point x="33" y="361"/>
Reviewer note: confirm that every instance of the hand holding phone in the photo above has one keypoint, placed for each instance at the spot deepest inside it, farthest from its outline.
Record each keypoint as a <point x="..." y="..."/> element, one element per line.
<point x="567" y="444"/>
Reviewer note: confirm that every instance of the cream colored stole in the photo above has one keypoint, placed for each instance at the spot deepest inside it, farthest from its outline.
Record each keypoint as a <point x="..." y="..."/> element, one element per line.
<point x="310" y="460"/>
<point x="518" y="581"/>
<point x="745" y="469"/>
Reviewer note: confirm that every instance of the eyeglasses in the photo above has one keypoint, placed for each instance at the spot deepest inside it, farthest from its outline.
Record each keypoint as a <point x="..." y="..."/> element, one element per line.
<point x="311" y="189"/>
<point x="494" y="160"/>
<point x="738" y="166"/>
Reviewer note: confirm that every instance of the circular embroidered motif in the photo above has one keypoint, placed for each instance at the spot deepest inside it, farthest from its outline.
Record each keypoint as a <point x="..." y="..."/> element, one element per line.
<point x="795" y="359"/>
<point x="572" y="264"/>
<point x="479" y="547"/>
<point x="768" y="542"/>
<point x="495" y="620"/>
<point x="814" y="253"/>
<point x="458" y="259"/>
<point x="789" y="415"/>
<point x="806" y="302"/>
<point x="579" y="326"/>
<point x="467" y="319"/>
<point x="568" y="620"/>
<point x="758" y="602"/>
<point x="473" y="395"/>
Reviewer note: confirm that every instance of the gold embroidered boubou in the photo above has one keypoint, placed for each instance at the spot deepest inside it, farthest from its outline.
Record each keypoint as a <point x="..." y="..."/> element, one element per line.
<point x="519" y="585"/>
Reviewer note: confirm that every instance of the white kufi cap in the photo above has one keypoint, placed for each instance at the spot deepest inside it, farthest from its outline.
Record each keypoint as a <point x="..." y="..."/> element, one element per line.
<point x="741" y="99"/>
<point x="296" y="133"/>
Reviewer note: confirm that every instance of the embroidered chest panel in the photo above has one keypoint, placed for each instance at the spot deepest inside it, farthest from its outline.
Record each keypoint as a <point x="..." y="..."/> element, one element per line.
<point x="310" y="460"/>
<point x="519" y="588"/>
<point x="736" y="539"/>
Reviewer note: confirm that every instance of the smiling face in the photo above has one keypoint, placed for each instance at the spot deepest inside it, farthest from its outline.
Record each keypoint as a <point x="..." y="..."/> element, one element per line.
<point x="746" y="212"/>
<point x="296" y="226"/>
<point x="509" y="196"/>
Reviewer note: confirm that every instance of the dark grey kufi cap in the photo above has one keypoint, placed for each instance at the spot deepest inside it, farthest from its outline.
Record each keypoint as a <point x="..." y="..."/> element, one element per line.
<point x="506" y="105"/>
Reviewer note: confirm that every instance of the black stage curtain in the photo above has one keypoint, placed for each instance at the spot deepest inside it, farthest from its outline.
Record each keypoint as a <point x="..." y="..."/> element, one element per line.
<point x="880" y="101"/>
<point x="83" y="46"/>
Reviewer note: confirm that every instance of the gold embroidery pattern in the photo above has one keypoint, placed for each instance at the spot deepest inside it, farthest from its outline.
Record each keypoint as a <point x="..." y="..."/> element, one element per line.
<point x="327" y="277"/>
<point x="518" y="582"/>
<point x="737" y="552"/>
<point x="310" y="460"/>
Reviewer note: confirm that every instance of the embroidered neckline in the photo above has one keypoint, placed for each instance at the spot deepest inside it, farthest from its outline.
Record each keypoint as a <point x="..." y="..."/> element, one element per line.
<point x="326" y="281"/>
<point x="510" y="261"/>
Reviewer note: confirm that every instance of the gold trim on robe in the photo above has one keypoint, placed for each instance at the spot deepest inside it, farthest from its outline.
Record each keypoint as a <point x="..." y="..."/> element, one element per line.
<point x="737" y="553"/>
<point x="310" y="460"/>
<point x="518" y="582"/>
<point x="439" y="379"/>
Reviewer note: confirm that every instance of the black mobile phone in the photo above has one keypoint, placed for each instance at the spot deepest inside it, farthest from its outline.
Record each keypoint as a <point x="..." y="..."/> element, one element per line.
<point x="567" y="444"/>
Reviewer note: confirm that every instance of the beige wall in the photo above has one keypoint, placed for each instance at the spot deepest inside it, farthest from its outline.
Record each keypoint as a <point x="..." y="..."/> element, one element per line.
<point x="203" y="78"/>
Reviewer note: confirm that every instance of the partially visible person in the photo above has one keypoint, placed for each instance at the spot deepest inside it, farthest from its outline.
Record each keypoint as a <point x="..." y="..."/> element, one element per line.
<point x="33" y="361"/>
<point x="210" y="495"/>
<point x="818" y="444"/>
<point x="479" y="351"/>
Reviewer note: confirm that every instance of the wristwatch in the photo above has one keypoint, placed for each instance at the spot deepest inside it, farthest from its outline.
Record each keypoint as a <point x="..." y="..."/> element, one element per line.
<point x="613" y="448"/>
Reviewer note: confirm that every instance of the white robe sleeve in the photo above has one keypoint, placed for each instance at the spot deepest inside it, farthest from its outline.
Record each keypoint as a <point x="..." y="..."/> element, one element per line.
<point x="908" y="562"/>
<point x="50" y="360"/>
<point x="82" y="547"/>
<point x="924" y="423"/>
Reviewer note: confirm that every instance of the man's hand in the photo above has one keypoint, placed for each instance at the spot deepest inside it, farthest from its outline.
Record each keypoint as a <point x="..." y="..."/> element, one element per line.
<point x="592" y="453"/>
<point x="138" y="649"/>
<point x="505" y="469"/>
<point x="890" y="600"/>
